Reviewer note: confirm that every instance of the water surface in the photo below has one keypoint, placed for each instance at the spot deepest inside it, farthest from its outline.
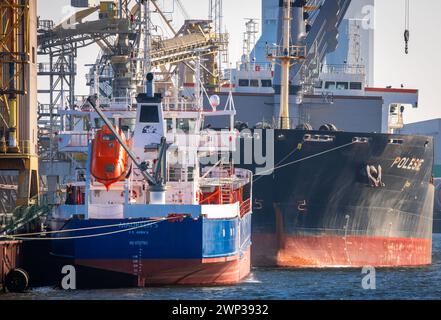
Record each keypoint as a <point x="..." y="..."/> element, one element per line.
<point x="268" y="283"/>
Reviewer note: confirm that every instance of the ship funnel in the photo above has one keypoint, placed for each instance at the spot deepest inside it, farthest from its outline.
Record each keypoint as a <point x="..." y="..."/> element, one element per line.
<point x="150" y="87"/>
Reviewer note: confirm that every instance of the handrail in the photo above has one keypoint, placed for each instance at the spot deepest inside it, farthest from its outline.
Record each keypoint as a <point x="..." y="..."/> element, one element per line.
<point x="245" y="207"/>
<point x="343" y="68"/>
<point x="211" y="169"/>
<point x="206" y="200"/>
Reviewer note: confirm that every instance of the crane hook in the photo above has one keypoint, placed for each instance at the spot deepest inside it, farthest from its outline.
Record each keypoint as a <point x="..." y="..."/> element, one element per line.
<point x="406" y="40"/>
<point x="407" y="26"/>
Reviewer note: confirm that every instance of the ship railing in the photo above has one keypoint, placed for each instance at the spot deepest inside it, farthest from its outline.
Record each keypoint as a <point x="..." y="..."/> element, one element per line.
<point x="179" y="104"/>
<point x="214" y="198"/>
<point x="254" y="66"/>
<point x="343" y="69"/>
<point x="45" y="25"/>
<point x="120" y="102"/>
<point x="217" y="140"/>
<point x="106" y="73"/>
<point x="277" y="52"/>
<point x="46" y="110"/>
<point x="396" y="121"/>
<point x="117" y="101"/>
<point x="245" y="207"/>
<point x="217" y="175"/>
<point x="64" y="67"/>
<point x="73" y="139"/>
<point x="179" y="174"/>
<point x="202" y="142"/>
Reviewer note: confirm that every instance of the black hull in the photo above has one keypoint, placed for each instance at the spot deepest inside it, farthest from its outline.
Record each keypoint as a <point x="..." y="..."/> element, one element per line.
<point x="319" y="207"/>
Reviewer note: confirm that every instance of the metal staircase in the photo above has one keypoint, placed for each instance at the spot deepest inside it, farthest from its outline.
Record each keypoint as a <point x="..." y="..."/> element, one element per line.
<point x="226" y="190"/>
<point x="27" y="217"/>
<point x="226" y="194"/>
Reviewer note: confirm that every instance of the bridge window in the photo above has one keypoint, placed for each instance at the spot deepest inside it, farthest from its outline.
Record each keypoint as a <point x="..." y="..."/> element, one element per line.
<point x="169" y="125"/>
<point x="318" y="85"/>
<point x="330" y="85"/>
<point x="267" y="83"/>
<point x="186" y="125"/>
<point x="128" y="124"/>
<point x="244" y="83"/>
<point x="355" y="86"/>
<point x="254" y="83"/>
<point x="342" y="86"/>
<point x="149" y="114"/>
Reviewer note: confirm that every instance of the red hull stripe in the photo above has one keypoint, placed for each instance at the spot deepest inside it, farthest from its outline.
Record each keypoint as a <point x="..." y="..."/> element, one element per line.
<point x="334" y="251"/>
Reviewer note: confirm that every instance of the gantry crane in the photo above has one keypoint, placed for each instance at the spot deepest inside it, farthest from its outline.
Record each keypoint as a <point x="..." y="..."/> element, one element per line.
<point x="18" y="104"/>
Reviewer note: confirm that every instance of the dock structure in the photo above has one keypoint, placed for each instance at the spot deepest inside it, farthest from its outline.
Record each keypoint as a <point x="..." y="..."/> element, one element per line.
<point x="18" y="104"/>
<point x="8" y="258"/>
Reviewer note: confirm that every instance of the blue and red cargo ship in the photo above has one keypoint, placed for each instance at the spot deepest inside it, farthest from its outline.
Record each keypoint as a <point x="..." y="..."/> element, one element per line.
<point x="184" y="250"/>
<point x="146" y="211"/>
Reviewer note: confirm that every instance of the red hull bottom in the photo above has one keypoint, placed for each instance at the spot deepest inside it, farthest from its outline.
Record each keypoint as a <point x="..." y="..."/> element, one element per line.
<point x="217" y="271"/>
<point x="334" y="251"/>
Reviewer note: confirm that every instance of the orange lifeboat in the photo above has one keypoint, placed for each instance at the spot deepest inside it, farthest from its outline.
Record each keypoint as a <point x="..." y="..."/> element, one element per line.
<point x="109" y="159"/>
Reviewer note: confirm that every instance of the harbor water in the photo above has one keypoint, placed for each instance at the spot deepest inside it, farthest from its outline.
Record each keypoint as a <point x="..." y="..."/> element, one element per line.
<point x="281" y="284"/>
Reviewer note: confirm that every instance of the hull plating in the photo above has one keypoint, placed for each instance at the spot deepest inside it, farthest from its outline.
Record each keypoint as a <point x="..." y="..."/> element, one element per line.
<point x="182" y="252"/>
<point x="147" y="272"/>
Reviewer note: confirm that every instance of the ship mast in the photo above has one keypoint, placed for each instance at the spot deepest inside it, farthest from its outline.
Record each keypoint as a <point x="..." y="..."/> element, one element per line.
<point x="285" y="65"/>
<point x="288" y="55"/>
<point x="147" y="38"/>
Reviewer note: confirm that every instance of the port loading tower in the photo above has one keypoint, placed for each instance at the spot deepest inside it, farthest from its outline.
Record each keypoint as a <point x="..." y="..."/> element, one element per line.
<point x="18" y="104"/>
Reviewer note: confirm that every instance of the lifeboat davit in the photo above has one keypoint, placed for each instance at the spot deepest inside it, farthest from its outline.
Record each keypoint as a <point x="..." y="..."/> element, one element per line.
<point x="109" y="159"/>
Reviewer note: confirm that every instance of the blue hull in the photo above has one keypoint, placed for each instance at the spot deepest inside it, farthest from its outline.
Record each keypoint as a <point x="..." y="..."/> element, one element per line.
<point x="181" y="251"/>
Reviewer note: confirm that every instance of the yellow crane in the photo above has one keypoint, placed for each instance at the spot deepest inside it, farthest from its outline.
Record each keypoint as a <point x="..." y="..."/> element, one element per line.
<point x="18" y="96"/>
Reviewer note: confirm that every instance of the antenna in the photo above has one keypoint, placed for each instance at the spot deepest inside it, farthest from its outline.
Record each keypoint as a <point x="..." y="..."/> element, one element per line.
<point x="249" y="41"/>
<point x="147" y="37"/>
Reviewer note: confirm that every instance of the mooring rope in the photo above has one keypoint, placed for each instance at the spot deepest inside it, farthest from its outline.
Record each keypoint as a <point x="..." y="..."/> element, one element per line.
<point x="81" y="229"/>
<point x="300" y="160"/>
<point x="24" y="237"/>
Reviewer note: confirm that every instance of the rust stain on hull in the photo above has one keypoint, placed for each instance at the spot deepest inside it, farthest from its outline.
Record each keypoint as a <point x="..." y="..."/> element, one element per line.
<point x="336" y="251"/>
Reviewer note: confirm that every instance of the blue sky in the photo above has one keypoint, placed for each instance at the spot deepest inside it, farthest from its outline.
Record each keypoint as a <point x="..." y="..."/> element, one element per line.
<point x="420" y="69"/>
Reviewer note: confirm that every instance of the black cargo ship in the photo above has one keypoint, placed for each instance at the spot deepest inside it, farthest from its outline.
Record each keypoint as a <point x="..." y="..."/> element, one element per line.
<point x="341" y="199"/>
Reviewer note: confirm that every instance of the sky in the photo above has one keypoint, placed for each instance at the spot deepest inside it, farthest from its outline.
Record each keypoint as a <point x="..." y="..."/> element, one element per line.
<point x="420" y="69"/>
